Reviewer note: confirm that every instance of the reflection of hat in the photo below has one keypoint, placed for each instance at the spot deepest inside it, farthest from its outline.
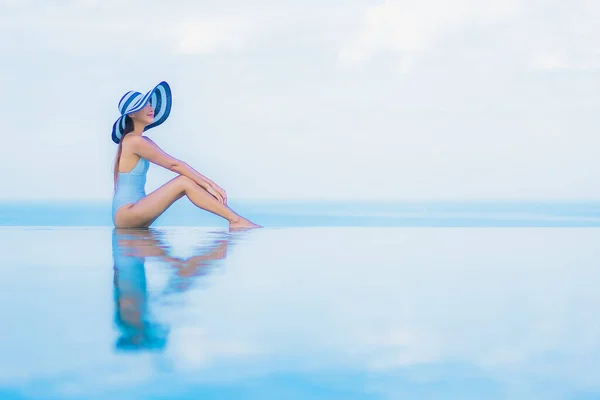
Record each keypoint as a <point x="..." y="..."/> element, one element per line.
<point x="160" y="98"/>
<point x="149" y="336"/>
<point x="137" y="329"/>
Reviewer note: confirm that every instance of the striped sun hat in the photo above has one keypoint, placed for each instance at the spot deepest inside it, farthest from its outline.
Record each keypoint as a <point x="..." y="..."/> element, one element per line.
<point x="160" y="98"/>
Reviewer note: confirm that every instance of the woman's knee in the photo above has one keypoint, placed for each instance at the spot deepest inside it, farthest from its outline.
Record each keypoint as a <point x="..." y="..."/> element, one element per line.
<point x="184" y="182"/>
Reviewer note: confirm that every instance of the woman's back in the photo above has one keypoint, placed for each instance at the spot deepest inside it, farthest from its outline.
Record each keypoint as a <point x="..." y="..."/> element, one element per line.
<point x="130" y="185"/>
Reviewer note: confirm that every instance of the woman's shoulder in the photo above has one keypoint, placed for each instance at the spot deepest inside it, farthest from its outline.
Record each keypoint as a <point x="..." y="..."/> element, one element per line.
<point x="130" y="139"/>
<point x="136" y="140"/>
<point x="131" y="143"/>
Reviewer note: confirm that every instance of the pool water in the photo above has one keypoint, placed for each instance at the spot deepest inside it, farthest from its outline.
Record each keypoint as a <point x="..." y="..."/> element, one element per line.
<point x="300" y="312"/>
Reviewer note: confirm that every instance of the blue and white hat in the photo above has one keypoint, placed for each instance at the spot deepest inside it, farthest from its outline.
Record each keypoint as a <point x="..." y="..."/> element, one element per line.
<point x="159" y="97"/>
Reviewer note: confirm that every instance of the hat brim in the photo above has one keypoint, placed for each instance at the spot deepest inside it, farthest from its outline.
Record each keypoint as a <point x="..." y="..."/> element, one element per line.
<point x="160" y="98"/>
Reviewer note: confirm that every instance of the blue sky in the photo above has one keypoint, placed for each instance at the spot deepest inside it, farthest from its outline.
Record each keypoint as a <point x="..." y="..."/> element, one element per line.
<point x="365" y="100"/>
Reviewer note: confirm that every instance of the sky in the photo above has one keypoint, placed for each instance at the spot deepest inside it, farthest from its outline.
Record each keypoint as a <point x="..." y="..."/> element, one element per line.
<point x="314" y="100"/>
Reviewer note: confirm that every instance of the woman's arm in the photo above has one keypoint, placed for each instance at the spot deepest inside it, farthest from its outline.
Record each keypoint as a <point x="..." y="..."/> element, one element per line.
<point x="149" y="150"/>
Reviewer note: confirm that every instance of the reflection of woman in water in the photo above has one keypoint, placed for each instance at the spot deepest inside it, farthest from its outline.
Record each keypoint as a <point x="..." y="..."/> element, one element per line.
<point x="131" y="248"/>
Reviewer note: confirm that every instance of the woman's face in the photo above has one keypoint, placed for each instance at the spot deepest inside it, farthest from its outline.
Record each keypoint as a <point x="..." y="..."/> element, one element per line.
<point x="145" y="115"/>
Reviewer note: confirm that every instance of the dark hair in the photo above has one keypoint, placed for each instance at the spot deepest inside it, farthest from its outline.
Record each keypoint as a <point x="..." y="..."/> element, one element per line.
<point x="128" y="128"/>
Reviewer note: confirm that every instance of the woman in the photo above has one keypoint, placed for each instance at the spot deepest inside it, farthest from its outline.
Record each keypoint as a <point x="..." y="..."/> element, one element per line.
<point x="131" y="207"/>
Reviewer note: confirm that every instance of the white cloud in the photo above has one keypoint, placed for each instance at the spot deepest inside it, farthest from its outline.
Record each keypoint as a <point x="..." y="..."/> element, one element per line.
<point x="208" y="35"/>
<point x="549" y="37"/>
<point x="408" y="26"/>
<point x="549" y="60"/>
<point x="479" y="115"/>
<point x="90" y="27"/>
<point x="565" y="39"/>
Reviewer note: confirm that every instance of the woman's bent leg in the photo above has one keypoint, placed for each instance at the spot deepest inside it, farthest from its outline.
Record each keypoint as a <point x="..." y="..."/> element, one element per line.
<point x="147" y="210"/>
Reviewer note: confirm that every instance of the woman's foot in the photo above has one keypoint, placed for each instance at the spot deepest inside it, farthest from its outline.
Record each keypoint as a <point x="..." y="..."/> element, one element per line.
<point x="243" y="223"/>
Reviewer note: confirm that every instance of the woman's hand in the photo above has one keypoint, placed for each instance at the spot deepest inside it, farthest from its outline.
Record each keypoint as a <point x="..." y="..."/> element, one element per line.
<point x="220" y="191"/>
<point x="216" y="194"/>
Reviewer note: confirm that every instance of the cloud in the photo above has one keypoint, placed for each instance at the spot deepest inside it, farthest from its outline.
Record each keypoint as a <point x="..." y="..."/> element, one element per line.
<point x="545" y="35"/>
<point x="208" y="35"/>
<point x="91" y="27"/>
<point x="409" y="27"/>
<point x="487" y="111"/>
<point x="565" y="39"/>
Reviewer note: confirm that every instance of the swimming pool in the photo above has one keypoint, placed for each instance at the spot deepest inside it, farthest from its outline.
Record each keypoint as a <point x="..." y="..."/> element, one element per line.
<point x="296" y="312"/>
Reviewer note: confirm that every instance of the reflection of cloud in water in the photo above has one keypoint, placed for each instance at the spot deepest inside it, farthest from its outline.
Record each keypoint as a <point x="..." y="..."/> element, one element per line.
<point x="139" y="327"/>
<point x="428" y="313"/>
<point x="463" y="302"/>
<point x="193" y="347"/>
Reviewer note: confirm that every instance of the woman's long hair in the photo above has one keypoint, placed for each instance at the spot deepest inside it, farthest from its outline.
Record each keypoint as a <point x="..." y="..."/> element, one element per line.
<point x="128" y="128"/>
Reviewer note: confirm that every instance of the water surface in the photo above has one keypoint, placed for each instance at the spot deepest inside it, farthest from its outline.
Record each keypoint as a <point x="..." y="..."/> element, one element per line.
<point x="300" y="312"/>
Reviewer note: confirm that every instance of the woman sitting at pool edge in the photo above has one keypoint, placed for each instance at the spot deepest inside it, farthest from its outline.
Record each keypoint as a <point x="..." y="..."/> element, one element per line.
<point x="131" y="207"/>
